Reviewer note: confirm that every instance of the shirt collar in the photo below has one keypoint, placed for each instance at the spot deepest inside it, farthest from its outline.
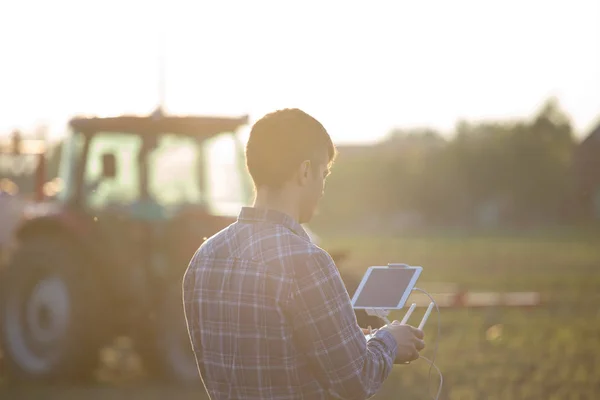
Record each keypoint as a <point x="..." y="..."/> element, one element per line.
<point x="254" y="214"/>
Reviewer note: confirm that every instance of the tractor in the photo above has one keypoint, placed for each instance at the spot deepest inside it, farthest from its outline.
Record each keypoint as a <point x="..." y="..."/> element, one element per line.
<point x="105" y="258"/>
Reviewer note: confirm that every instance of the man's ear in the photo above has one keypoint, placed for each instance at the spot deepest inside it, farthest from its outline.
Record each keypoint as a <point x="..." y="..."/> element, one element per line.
<point x="303" y="172"/>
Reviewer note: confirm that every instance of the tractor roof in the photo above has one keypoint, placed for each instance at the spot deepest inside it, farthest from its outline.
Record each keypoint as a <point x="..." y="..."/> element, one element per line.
<point x="156" y="123"/>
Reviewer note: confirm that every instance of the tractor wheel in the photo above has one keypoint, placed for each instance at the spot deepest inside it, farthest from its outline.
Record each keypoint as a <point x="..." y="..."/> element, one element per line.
<point x="165" y="349"/>
<point x="47" y="314"/>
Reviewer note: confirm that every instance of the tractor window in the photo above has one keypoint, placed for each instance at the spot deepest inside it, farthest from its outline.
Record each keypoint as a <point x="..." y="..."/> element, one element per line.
<point x="121" y="189"/>
<point x="173" y="173"/>
<point x="71" y="150"/>
<point x="226" y="176"/>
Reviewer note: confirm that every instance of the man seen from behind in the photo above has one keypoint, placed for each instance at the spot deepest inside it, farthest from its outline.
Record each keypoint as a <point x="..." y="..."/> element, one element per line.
<point x="268" y="315"/>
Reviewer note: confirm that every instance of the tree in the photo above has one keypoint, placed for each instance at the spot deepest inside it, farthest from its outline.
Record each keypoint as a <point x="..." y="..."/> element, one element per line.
<point x="517" y="168"/>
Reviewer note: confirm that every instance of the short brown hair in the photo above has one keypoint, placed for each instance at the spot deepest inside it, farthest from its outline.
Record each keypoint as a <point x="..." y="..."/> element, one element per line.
<point x="280" y="141"/>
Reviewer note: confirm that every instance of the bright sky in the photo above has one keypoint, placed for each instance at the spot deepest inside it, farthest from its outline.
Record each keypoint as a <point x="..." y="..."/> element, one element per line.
<point x="360" y="69"/>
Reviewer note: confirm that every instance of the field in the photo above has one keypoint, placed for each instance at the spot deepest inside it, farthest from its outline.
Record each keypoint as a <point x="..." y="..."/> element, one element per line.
<point x="550" y="351"/>
<point x="545" y="352"/>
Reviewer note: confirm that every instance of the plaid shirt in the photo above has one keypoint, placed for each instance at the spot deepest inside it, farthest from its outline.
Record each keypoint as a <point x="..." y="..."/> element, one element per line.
<point x="269" y="317"/>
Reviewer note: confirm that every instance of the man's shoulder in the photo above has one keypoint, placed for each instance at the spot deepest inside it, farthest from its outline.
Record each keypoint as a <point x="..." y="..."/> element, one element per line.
<point x="272" y="245"/>
<point x="214" y="244"/>
<point x="299" y="256"/>
<point x="279" y="242"/>
<point x="216" y="239"/>
<point x="315" y="258"/>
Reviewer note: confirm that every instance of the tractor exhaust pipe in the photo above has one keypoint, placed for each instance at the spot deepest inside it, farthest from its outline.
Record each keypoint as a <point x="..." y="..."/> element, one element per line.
<point x="40" y="177"/>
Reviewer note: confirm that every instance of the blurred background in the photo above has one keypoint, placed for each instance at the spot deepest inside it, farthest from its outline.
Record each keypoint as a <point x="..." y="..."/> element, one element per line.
<point x="468" y="135"/>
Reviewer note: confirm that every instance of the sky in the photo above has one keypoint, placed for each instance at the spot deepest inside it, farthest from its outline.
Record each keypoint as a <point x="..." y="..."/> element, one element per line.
<point x="360" y="69"/>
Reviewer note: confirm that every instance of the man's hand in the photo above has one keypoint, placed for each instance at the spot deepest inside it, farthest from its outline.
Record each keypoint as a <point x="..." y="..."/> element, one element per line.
<point x="409" y="339"/>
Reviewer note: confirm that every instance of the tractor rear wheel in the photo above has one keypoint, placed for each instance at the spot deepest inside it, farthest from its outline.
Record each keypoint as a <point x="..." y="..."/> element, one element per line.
<point x="165" y="347"/>
<point x="47" y="311"/>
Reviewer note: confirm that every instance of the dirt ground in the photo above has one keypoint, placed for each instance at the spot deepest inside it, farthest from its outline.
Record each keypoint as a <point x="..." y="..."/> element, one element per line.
<point x="103" y="393"/>
<point x="119" y="377"/>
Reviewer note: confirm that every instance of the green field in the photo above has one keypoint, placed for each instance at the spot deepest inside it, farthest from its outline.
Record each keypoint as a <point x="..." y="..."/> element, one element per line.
<point x="546" y="352"/>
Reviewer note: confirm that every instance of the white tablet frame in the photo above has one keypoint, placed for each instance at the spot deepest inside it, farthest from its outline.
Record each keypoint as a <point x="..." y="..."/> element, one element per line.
<point x="403" y="299"/>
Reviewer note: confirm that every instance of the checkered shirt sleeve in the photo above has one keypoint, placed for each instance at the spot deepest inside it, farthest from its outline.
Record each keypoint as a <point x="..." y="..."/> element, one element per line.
<point x="327" y="332"/>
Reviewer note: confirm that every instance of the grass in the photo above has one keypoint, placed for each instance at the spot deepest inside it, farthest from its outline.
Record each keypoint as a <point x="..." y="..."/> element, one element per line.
<point x="550" y="351"/>
<point x="546" y="352"/>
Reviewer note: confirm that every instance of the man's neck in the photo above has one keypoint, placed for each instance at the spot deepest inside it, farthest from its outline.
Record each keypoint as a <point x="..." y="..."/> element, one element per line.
<point x="278" y="200"/>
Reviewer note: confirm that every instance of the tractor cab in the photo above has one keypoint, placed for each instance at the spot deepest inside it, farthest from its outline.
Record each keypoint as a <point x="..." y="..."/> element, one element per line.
<point x="152" y="167"/>
<point x="158" y="181"/>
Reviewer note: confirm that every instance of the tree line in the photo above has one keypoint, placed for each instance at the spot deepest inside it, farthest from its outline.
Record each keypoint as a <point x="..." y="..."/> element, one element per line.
<point x="488" y="174"/>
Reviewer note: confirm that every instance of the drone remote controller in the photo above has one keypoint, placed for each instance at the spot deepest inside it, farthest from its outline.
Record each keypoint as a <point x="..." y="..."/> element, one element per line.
<point x="425" y="316"/>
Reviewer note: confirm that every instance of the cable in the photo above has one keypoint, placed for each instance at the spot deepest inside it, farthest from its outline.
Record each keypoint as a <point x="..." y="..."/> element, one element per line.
<point x="432" y="361"/>
<point x="432" y="364"/>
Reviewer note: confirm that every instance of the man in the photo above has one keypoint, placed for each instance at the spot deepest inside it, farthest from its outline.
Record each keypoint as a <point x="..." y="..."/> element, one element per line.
<point x="267" y="312"/>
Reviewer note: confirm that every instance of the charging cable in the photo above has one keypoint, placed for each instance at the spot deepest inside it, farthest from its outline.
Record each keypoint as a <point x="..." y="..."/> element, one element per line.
<point x="432" y="361"/>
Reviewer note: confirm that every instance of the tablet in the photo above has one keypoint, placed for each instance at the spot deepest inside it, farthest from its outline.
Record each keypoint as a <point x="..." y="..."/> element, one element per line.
<point x="385" y="288"/>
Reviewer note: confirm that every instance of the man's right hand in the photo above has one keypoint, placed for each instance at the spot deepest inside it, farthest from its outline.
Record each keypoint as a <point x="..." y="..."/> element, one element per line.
<point x="409" y="339"/>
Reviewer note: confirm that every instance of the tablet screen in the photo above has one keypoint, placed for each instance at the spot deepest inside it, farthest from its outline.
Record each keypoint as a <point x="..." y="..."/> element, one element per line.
<point x="385" y="287"/>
